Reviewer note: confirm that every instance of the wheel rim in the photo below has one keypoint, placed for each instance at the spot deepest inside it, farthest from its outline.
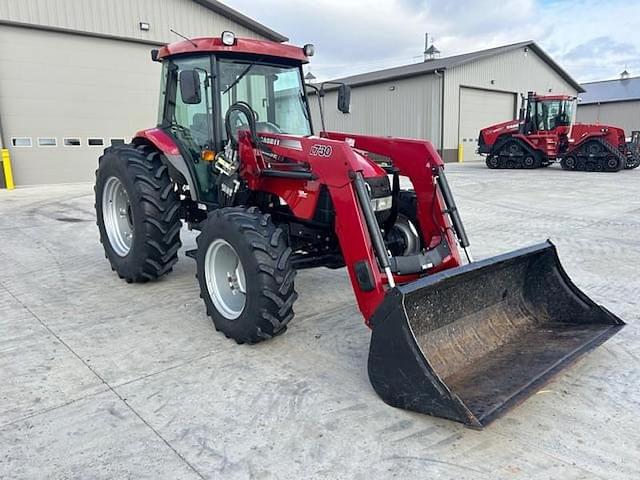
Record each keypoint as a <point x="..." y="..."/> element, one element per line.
<point x="529" y="161"/>
<point x="226" y="281"/>
<point x="117" y="216"/>
<point x="570" y="162"/>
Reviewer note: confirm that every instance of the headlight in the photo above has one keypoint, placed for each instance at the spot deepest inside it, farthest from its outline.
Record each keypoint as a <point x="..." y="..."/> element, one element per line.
<point x="228" y="38"/>
<point x="382" y="203"/>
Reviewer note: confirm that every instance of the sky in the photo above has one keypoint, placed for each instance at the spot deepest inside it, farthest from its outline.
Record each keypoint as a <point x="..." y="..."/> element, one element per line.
<point x="592" y="40"/>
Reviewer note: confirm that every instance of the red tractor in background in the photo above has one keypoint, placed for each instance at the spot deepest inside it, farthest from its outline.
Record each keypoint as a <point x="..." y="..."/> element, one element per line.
<point x="546" y="132"/>
<point x="234" y="156"/>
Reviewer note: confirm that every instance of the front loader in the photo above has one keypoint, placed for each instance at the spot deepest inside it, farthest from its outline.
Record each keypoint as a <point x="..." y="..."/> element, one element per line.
<point x="234" y="156"/>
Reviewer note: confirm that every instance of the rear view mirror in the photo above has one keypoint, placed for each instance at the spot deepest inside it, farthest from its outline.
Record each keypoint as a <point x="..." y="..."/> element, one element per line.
<point x="344" y="98"/>
<point x="190" y="87"/>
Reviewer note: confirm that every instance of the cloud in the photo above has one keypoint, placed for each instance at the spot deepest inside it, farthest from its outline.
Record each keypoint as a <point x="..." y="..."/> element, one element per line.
<point x="589" y="39"/>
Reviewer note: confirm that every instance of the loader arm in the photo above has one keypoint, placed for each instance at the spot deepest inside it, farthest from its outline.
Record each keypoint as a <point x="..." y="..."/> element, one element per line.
<point x="324" y="160"/>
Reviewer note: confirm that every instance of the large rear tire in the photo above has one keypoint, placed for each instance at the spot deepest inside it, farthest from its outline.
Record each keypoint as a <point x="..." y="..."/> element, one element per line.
<point x="245" y="274"/>
<point x="138" y="213"/>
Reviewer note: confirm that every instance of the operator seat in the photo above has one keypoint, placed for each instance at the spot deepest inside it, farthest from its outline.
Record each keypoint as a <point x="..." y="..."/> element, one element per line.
<point x="200" y="129"/>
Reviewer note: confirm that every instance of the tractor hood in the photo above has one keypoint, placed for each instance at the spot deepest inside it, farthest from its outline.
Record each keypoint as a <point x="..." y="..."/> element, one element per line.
<point x="500" y="128"/>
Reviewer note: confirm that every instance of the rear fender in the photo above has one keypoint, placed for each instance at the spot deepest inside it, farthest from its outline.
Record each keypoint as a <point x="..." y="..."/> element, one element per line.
<point x="169" y="148"/>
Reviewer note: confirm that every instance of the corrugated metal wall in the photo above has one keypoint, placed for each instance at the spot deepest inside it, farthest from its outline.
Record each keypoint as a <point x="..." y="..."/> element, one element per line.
<point x="64" y="97"/>
<point x="121" y="18"/>
<point x="516" y="71"/>
<point x="90" y="88"/>
<point x="619" y="114"/>
<point x="403" y="108"/>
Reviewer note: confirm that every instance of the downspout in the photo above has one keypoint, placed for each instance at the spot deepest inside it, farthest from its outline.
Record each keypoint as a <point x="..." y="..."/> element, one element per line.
<point x="441" y="77"/>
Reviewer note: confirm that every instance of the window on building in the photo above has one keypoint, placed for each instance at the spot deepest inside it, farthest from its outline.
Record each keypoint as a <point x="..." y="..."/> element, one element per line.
<point x="95" y="142"/>
<point x="47" y="142"/>
<point x="72" y="142"/>
<point x="21" y="141"/>
<point x="117" y="141"/>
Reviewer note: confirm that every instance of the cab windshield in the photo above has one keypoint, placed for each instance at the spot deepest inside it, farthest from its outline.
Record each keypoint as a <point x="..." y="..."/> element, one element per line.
<point x="274" y="92"/>
<point x="553" y="113"/>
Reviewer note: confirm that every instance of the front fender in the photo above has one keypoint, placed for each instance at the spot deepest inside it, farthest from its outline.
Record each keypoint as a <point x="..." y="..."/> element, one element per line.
<point x="169" y="148"/>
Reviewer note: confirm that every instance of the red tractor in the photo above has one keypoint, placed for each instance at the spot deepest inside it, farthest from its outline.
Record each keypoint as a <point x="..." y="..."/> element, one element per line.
<point x="546" y="132"/>
<point x="235" y="157"/>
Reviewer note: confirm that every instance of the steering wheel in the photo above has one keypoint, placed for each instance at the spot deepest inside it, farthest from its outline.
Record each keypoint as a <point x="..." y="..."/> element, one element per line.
<point x="268" y="127"/>
<point x="240" y="116"/>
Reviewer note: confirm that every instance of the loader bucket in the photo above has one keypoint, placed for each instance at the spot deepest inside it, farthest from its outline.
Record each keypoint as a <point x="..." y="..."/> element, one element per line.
<point x="469" y="343"/>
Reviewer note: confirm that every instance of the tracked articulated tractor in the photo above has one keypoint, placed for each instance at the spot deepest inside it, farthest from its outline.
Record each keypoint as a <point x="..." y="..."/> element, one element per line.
<point x="546" y="132"/>
<point x="234" y="156"/>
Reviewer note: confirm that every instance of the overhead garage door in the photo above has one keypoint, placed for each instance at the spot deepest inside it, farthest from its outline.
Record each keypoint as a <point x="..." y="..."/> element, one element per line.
<point x="64" y="97"/>
<point x="479" y="109"/>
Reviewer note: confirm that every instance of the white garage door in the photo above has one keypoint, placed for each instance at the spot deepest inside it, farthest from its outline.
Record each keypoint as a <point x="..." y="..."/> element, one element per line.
<point x="479" y="109"/>
<point x="64" y="97"/>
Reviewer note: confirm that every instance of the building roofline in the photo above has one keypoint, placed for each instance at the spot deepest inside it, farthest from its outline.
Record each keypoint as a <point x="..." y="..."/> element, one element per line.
<point x="440" y="64"/>
<point x="611" y="80"/>
<point x="612" y="100"/>
<point x="614" y="90"/>
<point x="242" y="19"/>
<point x="556" y="66"/>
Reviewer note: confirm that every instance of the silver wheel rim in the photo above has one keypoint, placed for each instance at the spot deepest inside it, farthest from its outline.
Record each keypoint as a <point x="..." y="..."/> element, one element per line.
<point x="117" y="216"/>
<point x="226" y="282"/>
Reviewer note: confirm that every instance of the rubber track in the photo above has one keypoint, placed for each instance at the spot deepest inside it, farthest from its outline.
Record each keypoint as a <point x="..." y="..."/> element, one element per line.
<point x="597" y="164"/>
<point x="518" y="160"/>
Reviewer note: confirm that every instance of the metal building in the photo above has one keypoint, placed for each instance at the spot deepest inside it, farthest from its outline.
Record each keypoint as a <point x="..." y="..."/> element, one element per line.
<point x="76" y="76"/>
<point x="612" y="102"/>
<point x="447" y="100"/>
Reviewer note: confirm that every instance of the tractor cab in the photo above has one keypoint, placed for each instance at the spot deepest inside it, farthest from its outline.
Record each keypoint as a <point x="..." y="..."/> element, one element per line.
<point x="203" y="77"/>
<point x="547" y="113"/>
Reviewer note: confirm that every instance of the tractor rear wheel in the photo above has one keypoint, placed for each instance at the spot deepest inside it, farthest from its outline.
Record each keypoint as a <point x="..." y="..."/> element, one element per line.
<point x="138" y="212"/>
<point x="245" y="274"/>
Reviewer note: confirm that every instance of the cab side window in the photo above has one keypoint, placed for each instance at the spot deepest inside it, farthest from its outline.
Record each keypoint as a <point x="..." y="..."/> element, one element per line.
<point x="194" y="120"/>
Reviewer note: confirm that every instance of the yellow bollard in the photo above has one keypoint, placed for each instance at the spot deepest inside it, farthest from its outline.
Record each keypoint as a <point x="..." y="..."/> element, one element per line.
<point x="460" y="153"/>
<point x="6" y="167"/>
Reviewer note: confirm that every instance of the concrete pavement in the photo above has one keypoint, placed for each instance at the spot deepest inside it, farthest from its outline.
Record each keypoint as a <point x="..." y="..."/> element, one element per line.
<point x="101" y="379"/>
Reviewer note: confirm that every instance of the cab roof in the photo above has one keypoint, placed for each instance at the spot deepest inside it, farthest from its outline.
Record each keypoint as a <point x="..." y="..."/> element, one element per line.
<point x="554" y="97"/>
<point x="264" y="48"/>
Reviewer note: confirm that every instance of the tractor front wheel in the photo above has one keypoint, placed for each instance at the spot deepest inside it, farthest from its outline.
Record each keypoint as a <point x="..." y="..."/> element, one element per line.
<point x="138" y="212"/>
<point x="245" y="274"/>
